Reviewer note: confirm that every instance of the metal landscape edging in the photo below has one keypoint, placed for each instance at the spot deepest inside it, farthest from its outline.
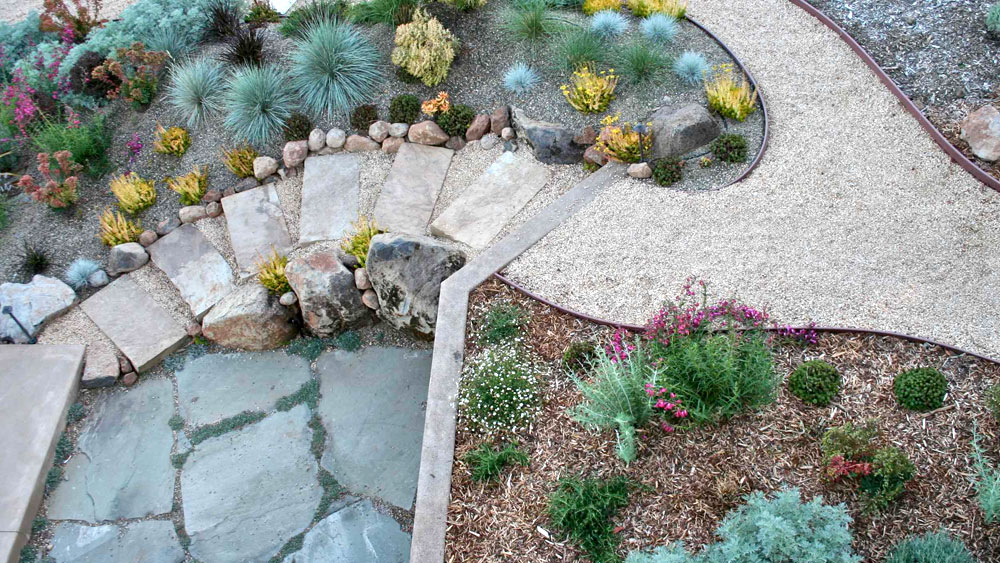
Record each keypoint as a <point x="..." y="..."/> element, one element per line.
<point x="952" y="151"/>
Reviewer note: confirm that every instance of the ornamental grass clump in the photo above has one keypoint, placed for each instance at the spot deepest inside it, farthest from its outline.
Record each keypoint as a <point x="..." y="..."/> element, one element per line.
<point x="591" y="7"/>
<point x="239" y="160"/>
<point x="271" y="273"/>
<point x="257" y="103"/>
<point x="246" y="48"/>
<point x="932" y="547"/>
<point x="386" y="12"/>
<point x="58" y="191"/>
<point x="579" y="48"/>
<point x="425" y="49"/>
<point x="608" y="24"/>
<point x="532" y="20"/>
<point x="691" y="67"/>
<point x="357" y="243"/>
<point x="815" y="382"/>
<point x="728" y="96"/>
<point x="174" y="141"/>
<point x="488" y="462"/>
<point x="520" y="78"/>
<point x="590" y="92"/>
<point x="115" y="229"/>
<point x="620" y="141"/>
<point x="191" y="187"/>
<point x="640" y="62"/>
<point x="299" y="21"/>
<point x="920" y="389"/>
<point x="334" y="68"/>
<point x="195" y="90"/>
<point x="659" y="28"/>
<point x="500" y="391"/>
<point x="79" y="271"/>
<point x="225" y="19"/>
<point x="134" y="193"/>
<point x="582" y="508"/>
<point x="87" y="143"/>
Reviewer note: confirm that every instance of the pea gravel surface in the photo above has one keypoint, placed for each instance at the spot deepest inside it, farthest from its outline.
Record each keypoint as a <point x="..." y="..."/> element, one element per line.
<point x="854" y="216"/>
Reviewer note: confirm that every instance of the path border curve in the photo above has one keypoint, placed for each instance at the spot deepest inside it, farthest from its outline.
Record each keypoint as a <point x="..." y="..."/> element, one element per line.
<point x="938" y="137"/>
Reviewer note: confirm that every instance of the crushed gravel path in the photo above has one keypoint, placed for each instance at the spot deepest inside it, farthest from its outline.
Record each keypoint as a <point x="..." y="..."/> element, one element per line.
<point x="854" y="217"/>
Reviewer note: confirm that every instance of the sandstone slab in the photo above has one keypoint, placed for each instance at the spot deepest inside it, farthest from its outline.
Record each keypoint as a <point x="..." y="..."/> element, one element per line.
<point x="194" y="266"/>
<point x="33" y="304"/>
<point x="256" y="226"/>
<point x="250" y="318"/>
<point x="412" y="187"/>
<point x="330" y="197"/>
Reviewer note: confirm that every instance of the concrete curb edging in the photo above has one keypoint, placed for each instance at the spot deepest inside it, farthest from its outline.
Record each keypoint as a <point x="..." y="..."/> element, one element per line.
<point x="437" y="451"/>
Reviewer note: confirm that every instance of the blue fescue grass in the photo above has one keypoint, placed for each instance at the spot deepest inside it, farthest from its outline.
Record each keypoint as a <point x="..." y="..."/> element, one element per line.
<point x="78" y="272"/>
<point x="532" y="20"/>
<point x="195" y="88"/>
<point x="608" y="23"/>
<point x="520" y="78"/>
<point x="335" y="68"/>
<point x="177" y="41"/>
<point x="257" y="102"/>
<point x="578" y="48"/>
<point x="691" y="67"/>
<point x="659" y="27"/>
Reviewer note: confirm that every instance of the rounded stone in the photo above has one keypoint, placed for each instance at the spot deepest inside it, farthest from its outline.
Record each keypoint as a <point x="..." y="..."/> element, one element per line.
<point x="264" y="166"/>
<point x="295" y="153"/>
<point x="507" y="134"/>
<point x="370" y="299"/>
<point x="165" y="226"/>
<point x="640" y="170"/>
<point x="147" y="237"/>
<point x="391" y="145"/>
<point x="288" y="299"/>
<point x="317" y="140"/>
<point x="98" y="279"/>
<point x="130" y="378"/>
<point x="192" y="329"/>
<point x="192" y="213"/>
<point x="361" y="279"/>
<point x="213" y="209"/>
<point x="427" y="133"/>
<point x="335" y="138"/>
<point x="359" y="143"/>
<point x="124" y="365"/>
<point x="378" y="131"/>
<point x="398" y="130"/>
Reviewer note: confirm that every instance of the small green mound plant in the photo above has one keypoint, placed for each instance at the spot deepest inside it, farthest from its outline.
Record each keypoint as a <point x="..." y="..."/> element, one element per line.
<point x="993" y="21"/>
<point x="456" y="121"/>
<point x="502" y="323"/>
<point x="849" y="453"/>
<point x="668" y="171"/>
<point x="815" y="382"/>
<point x="920" y="389"/>
<point x="582" y="509"/>
<point x="363" y="116"/>
<point x="425" y="49"/>
<point x="891" y="470"/>
<point x="729" y="147"/>
<point x="297" y="127"/>
<point x="500" y="392"/>
<point x="488" y="462"/>
<point x="932" y="547"/>
<point x="578" y="355"/>
<point x="404" y="108"/>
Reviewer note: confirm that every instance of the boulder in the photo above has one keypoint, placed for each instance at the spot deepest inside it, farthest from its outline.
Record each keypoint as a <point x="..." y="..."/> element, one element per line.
<point x="427" y="133"/>
<point x="264" y="166"/>
<point x="335" y="138"/>
<point x="147" y="237"/>
<point x="552" y="143"/>
<point x="455" y="143"/>
<point x="678" y="131"/>
<point x="317" y="140"/>
<point x="406" y="272"/>
<point x="250" y="318"/>
<point x="326" y="293"/>
<point x="391" y="145"/>
<point x="33" y="304"/>
<point x="398" y="130"/>
<point x="640" y="170"/>
<point x="357" y="143"/>
<point x="295" y="153"/>
<point x="126" y="257"/>
<point x="499" y="120"/>
<point x="982" y="131"/>
<point x="378" y="131"/>
<point x="192" y="213"/>
<point x="245" y="184"/>
<point x="480" y="126"/>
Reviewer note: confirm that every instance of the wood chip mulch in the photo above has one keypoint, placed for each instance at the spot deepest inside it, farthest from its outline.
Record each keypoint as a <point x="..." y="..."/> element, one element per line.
<point x="692" y="478"/>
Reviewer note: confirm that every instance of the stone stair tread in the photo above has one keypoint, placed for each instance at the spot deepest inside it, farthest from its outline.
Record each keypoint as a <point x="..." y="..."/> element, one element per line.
<point x="479" y="214"/>
<point x="198" y="271"/>
<point x="411" y="189"/>
<point x="331" y="188"/>
<point x="137" y="325"/>
<point x="256" y="226"/>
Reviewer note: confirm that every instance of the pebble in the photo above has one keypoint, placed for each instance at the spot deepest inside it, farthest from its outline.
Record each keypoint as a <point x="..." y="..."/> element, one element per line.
<point x="213" y="209"/>
<point x="398" y="130"/>
<point x="124" y="365"/>
<point x="361" y="279"/>
<point x="507" y="134"/>
<point x="192" y="213"/>
<point x="288" y="299"/>
<point x="489" y="141"/>
<point x="370" y="299"/>
<point x="165" y="226"/>
<point x="129" y="379"/>
<point x="147" y="237"/>
<point x="640" y="170"/>
<point x="335" y="138"/>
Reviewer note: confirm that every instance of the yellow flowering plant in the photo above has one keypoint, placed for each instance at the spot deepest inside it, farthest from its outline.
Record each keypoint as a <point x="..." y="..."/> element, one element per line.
<point x="116" y="229"/>
<point x="728" y="95"/>
<point x="191" y="186"/>
<point x="434" y="106"/>
<point x="133" y="192"/>
<point x="676" y="9"/>
<point x="621" y="142"/>
<point x="590" y="92"/>
<point x="174" y="140"/>
<point x="591" y="7"/>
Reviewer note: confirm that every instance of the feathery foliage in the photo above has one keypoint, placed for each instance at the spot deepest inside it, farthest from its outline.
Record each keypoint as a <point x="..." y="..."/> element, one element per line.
<point x="299" y="21"/>
<point x="87" y="143"/>
<point x="257" y="103"/>
<point x="271" y="273"/>
<point x="34" y="258"/>
<point x="640" y="62"/>
<point x="691" y="67"/>
<point x="176" y="41"/>
<point x="134" y="193"/>
<point x="582" y="509"/>
<point x="660" y="28"/>
<point x="520" y="78"/>
<point x="239" y="161"/>
<point x="191" y="186"/>
<point x="579" y="48"/>
<point x="987" y="484"/>
<point x="532" y="20"/>
<point x="425" y="49"/>
<point x="488" y="462"/>
<point x="195" y="90"/>
<point x="78" y="271"/>
<point x="932" y="547"/>
<point x="334" y="68"/>
<point x="608" y="23"/>
<point x="358" y="242"/>
<point x="115" y="229"/>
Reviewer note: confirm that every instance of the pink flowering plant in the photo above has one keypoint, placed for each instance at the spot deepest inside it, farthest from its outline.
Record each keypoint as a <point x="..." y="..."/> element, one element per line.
<point x="58" y="190"/>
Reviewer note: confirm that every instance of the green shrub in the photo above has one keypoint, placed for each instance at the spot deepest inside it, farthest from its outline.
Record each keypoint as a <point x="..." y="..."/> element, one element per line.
<point x="404" y="108"/>
<point x="932" y="547"/>
<point x="388" y="12"/>
<point x="815" y="382"/>
<point x="531" y="20"/>
<point x="334" y="68"/>
<point x="582" y="509"/>
<point x="730" y="148"/>
<point x="993" y="20"/>
<point x="425" y="49"/>
<point x="849" y="441"/>
<point x="257" y="102"/>
<point x="261" y="13"/>
<point x="488" y="462"/>
<point x="987" y="483"/>
<point x="578" y="355"/>
<point x="456" y="121"/>
<point x="363" y="116"/>
<point x="87" y="143"/>
<point x="920" y="389"/>
<point x="297" y="127"/>
<point x="578" y="48"/>
<point x="500" y="391"/>
<point x="502" y="323"/>
<point x="668" y="171"/>
<point x="891" y="470"/>
<point x="195" y="88"/>
<point x="640" y="62"/>
<point x="299" y="21"/>
<point x="993" y="400"/>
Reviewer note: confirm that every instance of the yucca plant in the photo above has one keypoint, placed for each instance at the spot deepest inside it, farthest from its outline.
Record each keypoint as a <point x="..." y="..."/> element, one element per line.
<point x="271" y="273"/>
<point x="239" y="161"/>
<point x="334" y="68"/>
<point x="195" y="90"/>
<point x="116" y="229"/>
<point x="191" y="186"/>
<point x="245" y="48"/>
<point x="357" y="243"/>
<point x="257" y="103"/>
<point x="133" y="192"/>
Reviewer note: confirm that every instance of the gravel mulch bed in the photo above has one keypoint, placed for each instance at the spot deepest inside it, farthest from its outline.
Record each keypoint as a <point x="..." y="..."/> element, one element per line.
<point x="939" y="53"/>
<point x="692" y="478"/>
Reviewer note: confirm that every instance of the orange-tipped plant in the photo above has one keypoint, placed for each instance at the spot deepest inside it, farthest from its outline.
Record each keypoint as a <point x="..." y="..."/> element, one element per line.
<point x="728" y="95"/>
<point x="116" y="229"/>
<point x="271" y="273"/>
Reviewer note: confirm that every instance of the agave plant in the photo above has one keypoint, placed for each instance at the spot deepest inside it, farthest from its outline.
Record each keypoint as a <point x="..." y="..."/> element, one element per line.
<point x="334" y="68"/>
<point x="257" y="103"/>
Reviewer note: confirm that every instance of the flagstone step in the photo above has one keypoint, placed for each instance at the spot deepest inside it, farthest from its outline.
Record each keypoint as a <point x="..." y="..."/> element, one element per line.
<point x="256" y="226"/>
<point x="137" y="325"/>
<point x="411" y="189"/>
<point x="194" y="266"/>
<point x="331" y="188"/>
<point x="482" y="210"/>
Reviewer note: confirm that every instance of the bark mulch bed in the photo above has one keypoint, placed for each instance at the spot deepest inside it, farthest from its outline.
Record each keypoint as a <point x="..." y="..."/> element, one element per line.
<point x="692" y="478"/>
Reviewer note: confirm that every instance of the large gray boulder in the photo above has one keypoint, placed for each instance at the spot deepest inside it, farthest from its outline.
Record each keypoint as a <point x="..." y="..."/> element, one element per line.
<point x="406" y="272"/>
<point x="326" y="292"/>
<point x="250" y="318"/>
<point x="679" y="130"/>
<point x="553" y="143"/>
<point x="33" y="304"/>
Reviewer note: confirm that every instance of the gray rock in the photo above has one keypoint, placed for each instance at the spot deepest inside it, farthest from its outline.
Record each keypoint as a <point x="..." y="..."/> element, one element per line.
<point x="245" y="184"/>
<point x="679" y="130"/>
<point x="370" y="299"/>
<point x="480" y="126"/>
<point x="355" y="533"/>
<point x="982" y="131"/>
<point x="288" y="299"/>
<point x="126" y="257"/>
<point x="33" y="304"/>
<point x="455" y="143"/>
<point x="264" y="166"/>
<point x="489" y="141"/>
<point x="167" y="225"/>
<point x="295" y="153"/>
<point x="194" y="266"/>
<point x="213" y="209"/>
<point x="391" y="145"/>
<point x="256" y="226"/>
<point x="594" y="156"/>
<point x="147" y="237"/>
<point x="248" y="492"/>
<point x="192" y="213"/>
<point x="406" y="272"/>
<point x="640" y="170"/>
<point x="217" y="386"/>
<point x="101" y="367"/>
<point x="211" y="195"/>
<point x="410" y="191"/>
<point x="250" y="318"/>
<point x="317" y="140"/>
<point x="98" y="279"/>
<point x="552" y="143"/>
<point x="330" y="197"/>
<point x="427" y="133"/>
<point x="123" y="469"/>
<point x="152" y="541"/>
<point x="354" y="383"/>
<point x="510" y="146"/>
<point x="350" y="261"/>
<point x="398" y="130"/>
<point x="327" y="296"/>
<point x="361" y="280"/>
<point x="335" y="138"/>
<point x="378" y="131"/>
